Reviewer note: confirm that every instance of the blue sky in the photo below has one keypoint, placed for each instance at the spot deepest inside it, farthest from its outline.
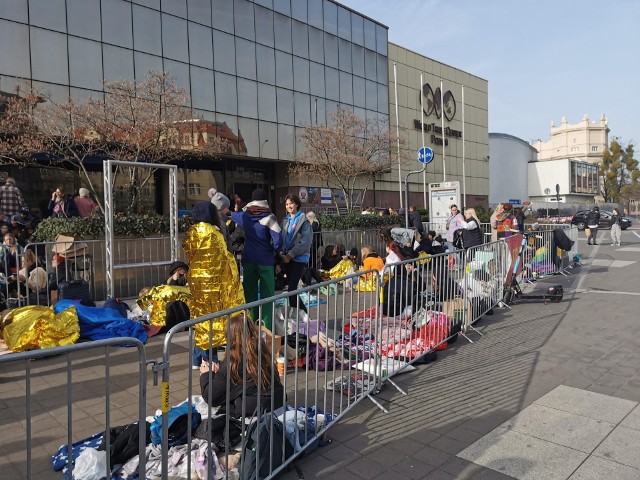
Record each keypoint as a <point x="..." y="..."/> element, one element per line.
<point x="543" y="59"/>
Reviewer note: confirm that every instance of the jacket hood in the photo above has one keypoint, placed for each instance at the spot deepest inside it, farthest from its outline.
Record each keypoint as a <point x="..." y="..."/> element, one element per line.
<point x="204" y="212"/>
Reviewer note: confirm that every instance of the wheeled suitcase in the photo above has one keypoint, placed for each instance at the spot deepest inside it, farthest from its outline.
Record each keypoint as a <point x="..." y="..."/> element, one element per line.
<point x="74" y="290"/>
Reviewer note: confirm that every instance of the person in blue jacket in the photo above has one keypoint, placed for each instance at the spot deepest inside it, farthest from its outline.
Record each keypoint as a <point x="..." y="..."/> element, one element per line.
<point x="297" y="239"/>
<point x="262" y="240"/>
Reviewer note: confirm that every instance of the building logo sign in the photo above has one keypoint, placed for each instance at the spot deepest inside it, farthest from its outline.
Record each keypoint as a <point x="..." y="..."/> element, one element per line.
<point x="432" y="104"/>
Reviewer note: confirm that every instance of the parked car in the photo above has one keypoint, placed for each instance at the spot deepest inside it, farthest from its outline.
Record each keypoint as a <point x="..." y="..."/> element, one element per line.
<point x="580" y="220"/>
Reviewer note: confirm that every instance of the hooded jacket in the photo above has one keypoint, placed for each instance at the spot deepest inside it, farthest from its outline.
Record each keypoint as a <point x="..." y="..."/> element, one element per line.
<point x="261" y="233"/>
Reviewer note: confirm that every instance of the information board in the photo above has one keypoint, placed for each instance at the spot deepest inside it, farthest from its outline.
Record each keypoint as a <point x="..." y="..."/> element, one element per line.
<point x="441" y="197"/>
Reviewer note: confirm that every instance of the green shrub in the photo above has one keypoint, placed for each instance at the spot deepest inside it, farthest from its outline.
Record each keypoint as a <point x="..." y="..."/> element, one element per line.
<point x="358" y="221"/>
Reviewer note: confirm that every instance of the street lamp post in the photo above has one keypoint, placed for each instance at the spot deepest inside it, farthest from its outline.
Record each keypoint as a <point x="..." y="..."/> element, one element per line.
<point x="262" y="146"/>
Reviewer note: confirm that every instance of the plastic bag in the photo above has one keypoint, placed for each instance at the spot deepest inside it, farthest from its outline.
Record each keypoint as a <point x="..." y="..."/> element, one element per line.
<point x="91" y="464"/>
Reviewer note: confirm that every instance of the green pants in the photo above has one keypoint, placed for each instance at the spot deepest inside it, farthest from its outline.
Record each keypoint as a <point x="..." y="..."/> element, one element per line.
<point x="259" y="278"/>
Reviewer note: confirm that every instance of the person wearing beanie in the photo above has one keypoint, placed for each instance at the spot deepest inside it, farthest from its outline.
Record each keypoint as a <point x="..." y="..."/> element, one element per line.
<point x="262" y="240"/>
<point x="222" y="204"/>
<point x="86" y="207"/>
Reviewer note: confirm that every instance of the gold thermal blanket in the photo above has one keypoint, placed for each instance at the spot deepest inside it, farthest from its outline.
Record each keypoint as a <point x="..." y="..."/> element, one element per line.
<point x="156" y="300"/>
<point x="35" y="326"/>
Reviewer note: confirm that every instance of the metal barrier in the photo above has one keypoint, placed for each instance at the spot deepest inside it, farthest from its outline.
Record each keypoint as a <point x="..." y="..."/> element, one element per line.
<point x="51" y="387"/>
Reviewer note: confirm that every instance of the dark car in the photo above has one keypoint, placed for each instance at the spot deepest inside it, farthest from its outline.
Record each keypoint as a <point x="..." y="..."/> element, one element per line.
<point x="580" y="220"/>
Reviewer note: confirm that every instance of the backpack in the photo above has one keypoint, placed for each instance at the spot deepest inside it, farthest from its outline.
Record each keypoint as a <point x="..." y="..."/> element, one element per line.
<point x="178" y="428"/>
<point x="258" y="438"/>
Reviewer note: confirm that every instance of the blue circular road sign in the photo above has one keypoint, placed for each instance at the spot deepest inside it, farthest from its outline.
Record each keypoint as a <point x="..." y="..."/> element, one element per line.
<point x="425" y="155"/>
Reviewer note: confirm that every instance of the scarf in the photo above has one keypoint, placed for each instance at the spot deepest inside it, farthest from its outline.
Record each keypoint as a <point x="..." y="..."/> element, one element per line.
<point x="291" y="229"/>
<point x="257" y="206"/>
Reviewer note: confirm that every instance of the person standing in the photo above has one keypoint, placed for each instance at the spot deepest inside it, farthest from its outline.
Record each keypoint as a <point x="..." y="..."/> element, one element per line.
<point x="616" y="229"/>
<point x="61" y="205"/>
<point x="222" y="204"/>
<point x="506" y="223"/>
<point x="493" y="220"/>
<point x="262" y="240"/>
<point x="86" y="207"/>
<point x="415" y="220"/>
<point x="297" y="239"/>
<point x="471" y="233"/>
<point x="519" y="216"/>
<point x="317" y="239"/>
<point x="593" y="222"/>
<point x="454" y="223"/>
<point x="11" y="198"/>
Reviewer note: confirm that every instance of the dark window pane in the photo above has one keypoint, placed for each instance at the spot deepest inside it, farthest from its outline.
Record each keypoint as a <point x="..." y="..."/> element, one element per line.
<point x="202" y="89"/>
<point x="180" y="73"/>
<point x="85" y="63"/>
<point x="331" y="50"/>
<point x="145" y="63"/>
<point x="14" y="10"/>
<point x="84" y="18"/>
<point x="369" y="34"/>
<point x="372" y="95"/>
<point x="200" y="46"/>
<point x="48" y="14"/>
<point x="264" y="26"/>
<point x="147" y="30"/>
<point x="330" y="17"/>
<point x="344" y="51"/>
<point x="14" y="59"/>
<point x="370" y="65"/>
<point x="332" y="83"/>
<point x="302" y="109"/>
<point x="382" y="67"/>
<point x="316" y="79"/>
<point x="247" y="98"/>
<point x="346" y="88"/>
<point x="357" y="29"/>
<point x="267" y="102"/>
<point x="283" y="6"/>
<point x="381" y="39"/>
<point x="175" y="7"/>
<point x="299" y="10"/>
<point x="282" y="27"/>
<point x="248" y="128"/>
<point x="359" y="92"/>
<point x="300" y="39"/>
<point x="118" y="63"/>
<point x="383" y="98"/>
<point x="315" y="14"/>
<point x="224" y="52"/>
<point x="222" y="16"/>
<point x="344" y="23"/>
<point x="199" y="11"/>
<point x="175" y="39"/>
<point x="316" y="45"/>
<point x="243" y="19"/>
<point x="268" y="131"/>
<point x="301" y="74"/>
<point x="285" y="106"/>
<point x="116" y="23"/>
<point x="226" y="94"/>
<point x="285" y="142"/>
<point x="357" y="60"/>
<point x="49" y="56"/>
<point x="266" y="65"/>
<point x="245" y="59"/>
<point x="284" y="70"/>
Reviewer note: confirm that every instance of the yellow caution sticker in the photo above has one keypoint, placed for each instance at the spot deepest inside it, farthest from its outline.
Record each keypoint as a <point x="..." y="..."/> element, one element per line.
<point x="165" y="397"/>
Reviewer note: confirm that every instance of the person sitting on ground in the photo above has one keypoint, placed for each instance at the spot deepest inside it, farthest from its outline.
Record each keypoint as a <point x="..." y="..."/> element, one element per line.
<point x="431" y="243"/>
<point x="9" y="257"/>
<point x="31" y="279"/>
<point x="371" y="260"/>
<point x="178" y="274"/>
<point x="330" y="258"/>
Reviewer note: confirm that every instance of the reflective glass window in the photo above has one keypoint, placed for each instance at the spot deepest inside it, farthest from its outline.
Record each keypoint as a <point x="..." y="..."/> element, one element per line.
<point x="371" y="95"/>
<point x="248" y="128"/>
<point x="344" y="23"/>
<point x="175" y="7"/>
<point x="81" y="95"/>
<point x="49" y="14"/>
<point x="369" y="34"/>
<point x="247" y="98"/>
<point x="357" y="60"/>
<point x="200" y="45"/>
<point x="264" y="26"/>
<point x="202" y="88"/>
<point x="56" y="93"/>
<point x="346" y="88"/>
<point x="175" y="39"/>
<point x="265" y="3"/>
<point x="331" y="50"/>
<point x="155" y="4"/>
<point x="285" y="106"/>
<point x="266" y="65"/>
<point x="285" y="142"/>
<point x="361" y="113"/>
<point x="14" y="10"/>
<point x="228" y="128"/>
<point x="383" y="68"/>
<point x="224" y="52"/>
<point x="118" y="63"/>
<point x="147" y="30"/>
<point x="49" y="56"/>
<point x="180" y="73"/>
<point x="199" y="11"/>
<point x="383" y="98"/>
<point x="284" y="70"/>
<point x="226" y="93"/>
<point x="14" y="59"/>
<point x="282" y="30"/>
<point x="359" y="97"/>
<point x="319" y="111"/>
<point x="245" y="59"/>
<point x="85" y="63"/>
<point x="300" y="39"/>
<point x="283" y="6"/>
<point x="243" y="19"/>
<point x="344" y="54"/>
<point x="331" y="107"/>
<point x="316" y="45"/>
<point x="370" y="61"/>
<point x="381" y="39"/>
<point x="268" y="131"/>
<point x="267" y="102"/>
<point x="332" y="83"/>
<point x="145" y="63"/>
<point x="116" y="23"/>
<point x="315" y="14"/>
<point x="357" y="29"/>
<point x="316" y="79"/>
<point x="222" y="16"/>
<point x="84" y="18"/>
<point x="301" y="74"/>
<point x="299" y="10"/>
<point x="302" y="107"/>
<point x="330" y="17"/>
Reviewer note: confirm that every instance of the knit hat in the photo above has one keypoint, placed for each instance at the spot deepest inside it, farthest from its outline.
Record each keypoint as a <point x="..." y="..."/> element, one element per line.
<point x="219" y="200"/>
<point x="259" y="194"/>
<point x="203" y="212"/>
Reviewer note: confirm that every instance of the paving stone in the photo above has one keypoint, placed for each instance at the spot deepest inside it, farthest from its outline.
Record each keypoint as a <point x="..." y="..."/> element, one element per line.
<point x="461" y="468"/>
<point x="439" y="475"/>
<point x="622" y="446"/>
<point x="432" y="456"/>
<point x="365" y="468"/>
<point x="595" y="468"/>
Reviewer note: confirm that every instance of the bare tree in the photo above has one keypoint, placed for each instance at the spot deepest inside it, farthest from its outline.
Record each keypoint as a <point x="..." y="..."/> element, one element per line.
<point x="348" y="154"/>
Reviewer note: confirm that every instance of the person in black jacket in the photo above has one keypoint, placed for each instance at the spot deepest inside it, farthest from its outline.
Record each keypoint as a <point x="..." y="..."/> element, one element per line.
<point x="616" y="229"/>
<point x="593" y="222"/>
<point x="415" y="220"/>
<point x="471" y="233"/>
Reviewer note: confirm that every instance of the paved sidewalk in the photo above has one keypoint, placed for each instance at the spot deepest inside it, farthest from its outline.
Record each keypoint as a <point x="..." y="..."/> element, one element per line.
<point x="453" y="424"/>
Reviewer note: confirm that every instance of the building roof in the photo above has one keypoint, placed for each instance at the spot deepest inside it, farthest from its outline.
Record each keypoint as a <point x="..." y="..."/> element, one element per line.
<point x="511" y="137"/>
